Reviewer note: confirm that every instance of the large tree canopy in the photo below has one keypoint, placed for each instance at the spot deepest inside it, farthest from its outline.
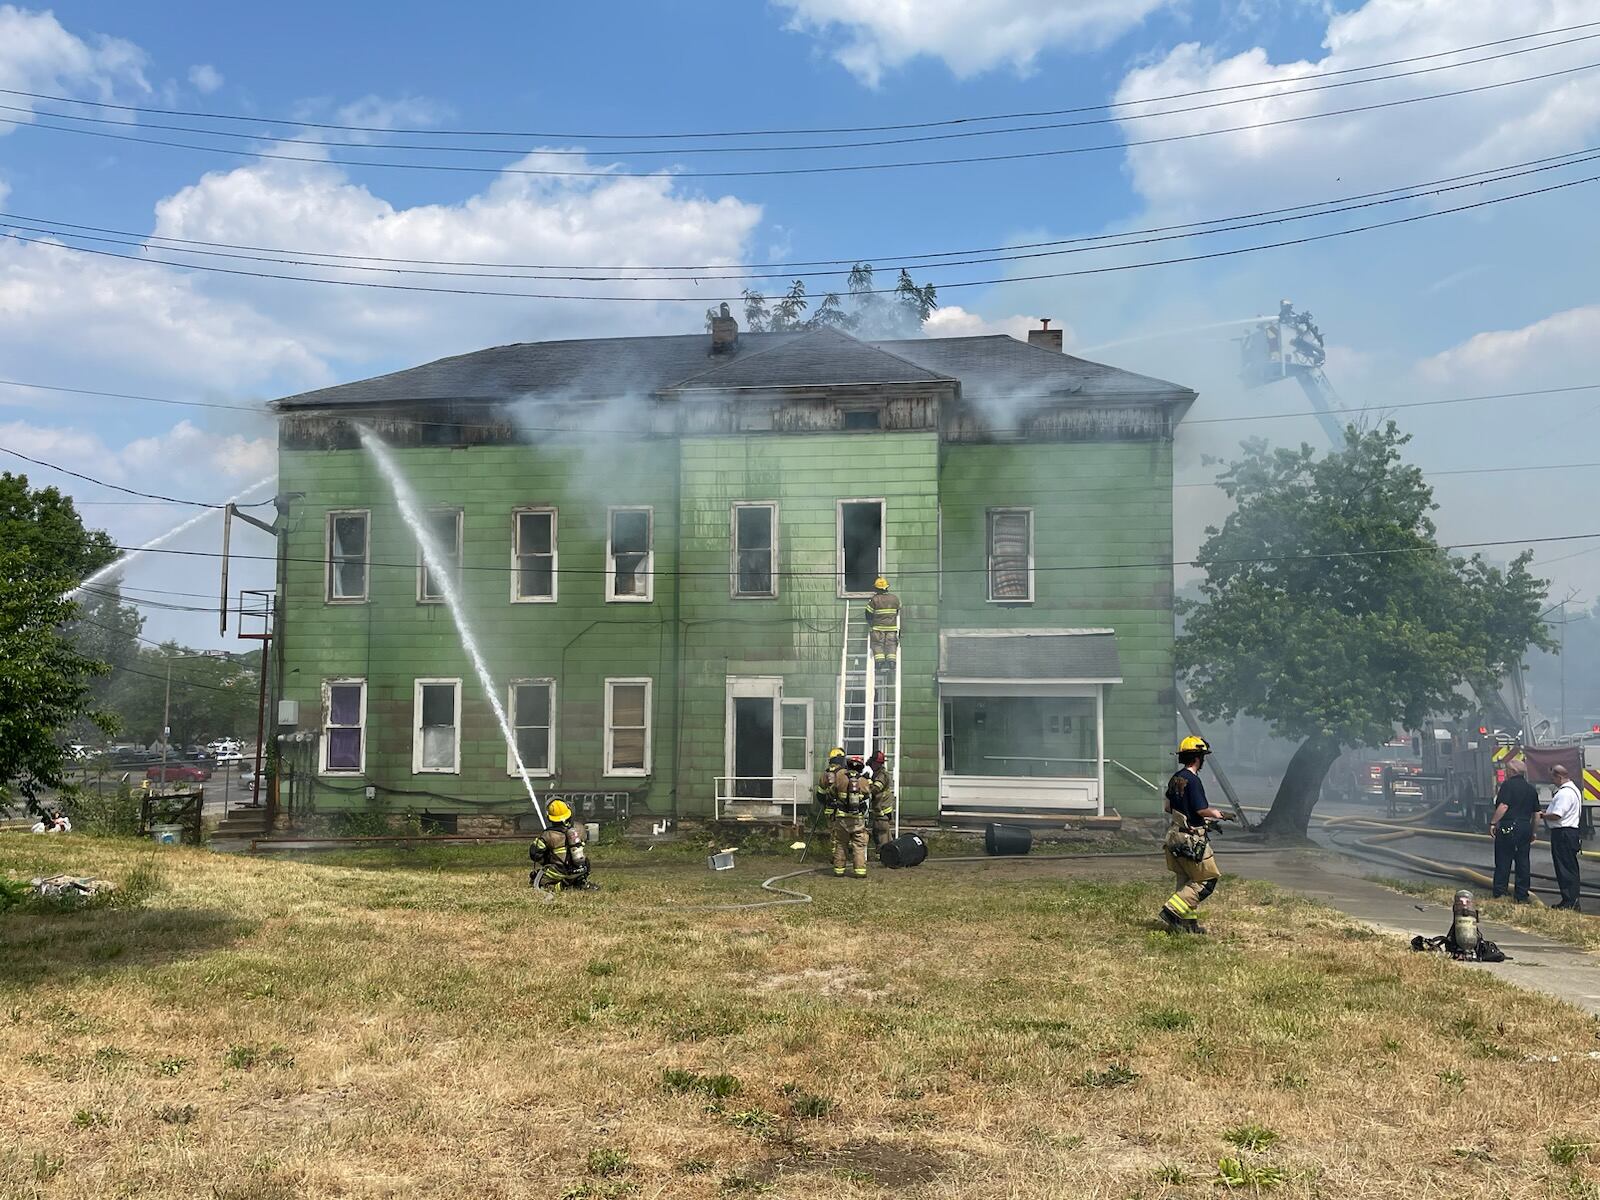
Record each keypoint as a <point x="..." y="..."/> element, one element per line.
<point x="44" y="551"/>
<point x="870" y="313"/>
<point x="1330" y="611"/>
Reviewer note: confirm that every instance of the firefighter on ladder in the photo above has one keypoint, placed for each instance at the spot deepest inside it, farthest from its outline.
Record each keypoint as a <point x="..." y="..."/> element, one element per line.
<point x="881" y="794"/>
<point x="851" y="792"/>
<point x="1188" y="841"/>
<point x="883" y="624"/>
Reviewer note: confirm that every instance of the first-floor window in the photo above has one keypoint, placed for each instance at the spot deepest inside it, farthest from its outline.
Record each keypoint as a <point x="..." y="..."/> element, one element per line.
<point x="1011" y="555"/>
<point x="344" y="719"/>
<point x="627" y="727"/>
<point x="533" y="718"/>
<point x="436" y="726"/>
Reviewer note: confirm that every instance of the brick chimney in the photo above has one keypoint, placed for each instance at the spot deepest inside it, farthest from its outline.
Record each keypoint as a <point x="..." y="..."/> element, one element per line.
<point x="1044" y="337"/>
<point x="725" y="332"/>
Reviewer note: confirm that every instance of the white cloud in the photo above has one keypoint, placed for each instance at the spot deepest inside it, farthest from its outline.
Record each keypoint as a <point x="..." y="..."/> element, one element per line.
<point x="38" y="55"/>
<point x="1340" y="155"/>
<point x="871" y="37"/>
<point x="393" y="112"/>
<point x="1559" y="344"/>
<point x="205" y="78"/>
<point x="210" y="460"/>
<point x="951" y="320"/>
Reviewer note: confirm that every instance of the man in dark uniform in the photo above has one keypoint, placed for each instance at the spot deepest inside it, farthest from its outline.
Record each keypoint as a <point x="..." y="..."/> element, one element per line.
<point x="1516" y="805"/>
<point x="1188" y="844"/>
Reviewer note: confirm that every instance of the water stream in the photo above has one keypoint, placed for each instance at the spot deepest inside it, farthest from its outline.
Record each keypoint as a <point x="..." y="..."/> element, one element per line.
<point x="449" y="587"/>
<point x="121" y="564"/>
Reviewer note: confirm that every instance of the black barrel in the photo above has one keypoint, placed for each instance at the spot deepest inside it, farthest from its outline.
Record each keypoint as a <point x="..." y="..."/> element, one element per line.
<point x="907" y="850"/>
<point x="1007" y="839"/>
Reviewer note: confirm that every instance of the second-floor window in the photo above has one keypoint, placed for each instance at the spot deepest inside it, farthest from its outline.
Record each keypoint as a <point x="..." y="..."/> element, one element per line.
<point x="347" y="555"/>
<point x="755" y="550"/>
<point x="533" y="552"/>
<point x="630" y="555"/>
<point x="1011" y="555"/>
<point x="444" y="524"/>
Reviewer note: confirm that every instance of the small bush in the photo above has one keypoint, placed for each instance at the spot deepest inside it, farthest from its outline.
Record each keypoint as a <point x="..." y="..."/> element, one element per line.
<point x="1235" y="1172"/>
<point x="1251" y="1137"/>
<point x="1564" y="1150"/>
<point x="1171" y="1173"/>
<point x="718" y="1087"/>
<point x="757" y="1122"/>
<point x="811" y="1108"/>
<point x="1453" y="1080"/>
<point x="241" y="1058"/>
<point x="608" y="1161"/>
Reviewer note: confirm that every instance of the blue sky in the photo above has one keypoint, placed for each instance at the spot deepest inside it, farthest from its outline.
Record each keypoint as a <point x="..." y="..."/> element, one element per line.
<point x="1502" y="298"/>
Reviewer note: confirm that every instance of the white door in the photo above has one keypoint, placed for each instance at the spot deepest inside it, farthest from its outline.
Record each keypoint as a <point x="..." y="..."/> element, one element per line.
<point x="753" y="749"/>
<point x="796" y="761"/>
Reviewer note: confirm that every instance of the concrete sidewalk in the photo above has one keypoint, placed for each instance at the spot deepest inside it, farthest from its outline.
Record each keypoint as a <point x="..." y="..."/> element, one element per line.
<point x="1554" y="968"/>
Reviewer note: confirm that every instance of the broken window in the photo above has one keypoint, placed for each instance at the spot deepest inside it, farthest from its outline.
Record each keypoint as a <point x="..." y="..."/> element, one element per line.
<point x="1030" y="736"/>
<point x="347" y="555"/>
<point x="860" y="545"/>
<point x="627" y="727"/>
<point x="534" y="555"/>
<point x="630" y="557"/>
<point x="344" y="708"/>
<point x="444" y="529"/>
<point x="533" y="719"/>
<point x="1011" y="555"/>
<point x="436" y="733"/>
<point x="755" y="554"/>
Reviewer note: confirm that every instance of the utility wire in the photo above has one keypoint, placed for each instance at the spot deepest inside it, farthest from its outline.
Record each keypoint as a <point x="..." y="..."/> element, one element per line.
<point x="1286" y="90"/>
<point x="789" y="171"/>
<point x="49" y="229"/>
<point x="790" y="132"/>
<point x="701" y="270"/>
<point x="116" y="487"/>
<point x="915" y="571"/>
<point x="959" y="284"/>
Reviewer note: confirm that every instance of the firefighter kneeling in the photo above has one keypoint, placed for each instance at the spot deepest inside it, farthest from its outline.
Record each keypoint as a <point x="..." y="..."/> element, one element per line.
<point x="1188" y="841"/>
<point x="563" y="863"/>
<point x="846" y="811"/>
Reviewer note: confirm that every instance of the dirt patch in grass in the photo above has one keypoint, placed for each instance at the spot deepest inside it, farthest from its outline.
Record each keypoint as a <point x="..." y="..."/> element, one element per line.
<point x="423" y="1027"/>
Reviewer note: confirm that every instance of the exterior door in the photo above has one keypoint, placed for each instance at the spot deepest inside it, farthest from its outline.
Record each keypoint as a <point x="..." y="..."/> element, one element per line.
<point x="754" y="734"/>
<point x="796" y="751"/>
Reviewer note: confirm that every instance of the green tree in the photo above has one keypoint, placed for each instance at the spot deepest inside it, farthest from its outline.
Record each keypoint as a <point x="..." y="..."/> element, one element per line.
<point x="1330" y="611"/>
<point x="44" y="551"/>
<point x="212" y="695"/>
<point x="870" y="313"/>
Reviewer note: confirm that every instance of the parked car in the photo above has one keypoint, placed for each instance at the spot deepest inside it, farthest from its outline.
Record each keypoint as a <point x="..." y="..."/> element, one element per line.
<point x="197" y="754"/>
<point x="178" y="772"/>
<point x="227" y="750"/>
<point x="77" y="752"/>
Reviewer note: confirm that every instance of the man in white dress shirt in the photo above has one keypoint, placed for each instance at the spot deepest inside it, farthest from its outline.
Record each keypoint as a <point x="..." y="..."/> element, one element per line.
<point x="1561" y="817"/>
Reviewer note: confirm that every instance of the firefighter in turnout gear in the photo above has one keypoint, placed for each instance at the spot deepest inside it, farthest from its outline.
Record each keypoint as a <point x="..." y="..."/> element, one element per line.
<point x="851" y="794"/>
<point x="883" y="623"/>
<point x="881" y="798"/>
<point x="822" y="794"/>
<point x="561" y="862"/>
<point x="1188" y="843"/>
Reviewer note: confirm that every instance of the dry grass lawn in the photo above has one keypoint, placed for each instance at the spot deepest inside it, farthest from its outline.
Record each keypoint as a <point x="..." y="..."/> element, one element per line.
<point x="416" y="1024"/>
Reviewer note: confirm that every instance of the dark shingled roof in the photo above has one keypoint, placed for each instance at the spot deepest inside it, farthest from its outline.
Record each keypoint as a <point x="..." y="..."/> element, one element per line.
<point x="610" y="367"/>
<point x="1080" y="655"/>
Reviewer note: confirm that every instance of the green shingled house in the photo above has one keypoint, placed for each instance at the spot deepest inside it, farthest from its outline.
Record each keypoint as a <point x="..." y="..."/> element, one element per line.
<point x="664" y="543"/>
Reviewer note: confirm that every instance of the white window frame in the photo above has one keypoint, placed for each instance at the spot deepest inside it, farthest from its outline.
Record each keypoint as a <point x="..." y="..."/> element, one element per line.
<point x="549" y="770"/>
<point x="366" y="557"/>
<point x="649" y="568"/>
<point x="649" y="725"/>
<point x="416" y="728"/>
<point x="838" y="542"/>
<point x="516" y="558"/>
<point x="422" y="566"/>
<point x="733" y="550"/>
<point x="988" y="554"/>
<point x="327" y="716"/>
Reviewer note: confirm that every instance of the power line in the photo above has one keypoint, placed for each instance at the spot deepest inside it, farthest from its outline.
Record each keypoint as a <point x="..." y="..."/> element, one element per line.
<point x="1100" y="566"/>
<point x="1285" y="90"/>
<point x="791" y="132"/>
<point x="1478" y="179"/>
<point x="959" y="284"/>
<point x="701" y="270"/>
<point x="788" y="171"/>
<point x="117" y="487"/>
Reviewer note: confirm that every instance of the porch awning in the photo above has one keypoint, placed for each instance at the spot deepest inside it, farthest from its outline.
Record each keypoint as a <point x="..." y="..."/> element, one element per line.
<point x="1053" y="656"/>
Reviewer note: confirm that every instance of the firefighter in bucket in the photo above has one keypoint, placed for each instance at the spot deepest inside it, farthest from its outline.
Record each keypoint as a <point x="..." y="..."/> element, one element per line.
<point x="560" y="861"/>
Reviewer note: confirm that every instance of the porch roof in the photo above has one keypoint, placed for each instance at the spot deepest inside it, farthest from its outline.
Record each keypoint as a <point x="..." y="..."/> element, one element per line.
<point x="1029" y="656"/>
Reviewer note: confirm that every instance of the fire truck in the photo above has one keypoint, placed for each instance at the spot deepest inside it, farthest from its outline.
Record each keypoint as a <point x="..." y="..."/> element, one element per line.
<point x="1463" y="764"/>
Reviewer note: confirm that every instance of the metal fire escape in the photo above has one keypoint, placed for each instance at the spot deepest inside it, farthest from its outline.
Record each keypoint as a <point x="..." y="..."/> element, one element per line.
<point x="864" y="691"/>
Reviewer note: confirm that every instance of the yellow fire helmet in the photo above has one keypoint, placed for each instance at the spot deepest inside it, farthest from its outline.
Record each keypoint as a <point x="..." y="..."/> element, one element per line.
<point x="559" y="811"/>
<point x="880" y="584"/>
<point x="1192" y="743"/>
<point x="836" y="752"/>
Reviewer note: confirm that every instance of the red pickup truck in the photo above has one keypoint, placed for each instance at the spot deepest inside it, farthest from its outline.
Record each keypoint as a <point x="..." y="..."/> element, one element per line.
<point x="178" y="772"/>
